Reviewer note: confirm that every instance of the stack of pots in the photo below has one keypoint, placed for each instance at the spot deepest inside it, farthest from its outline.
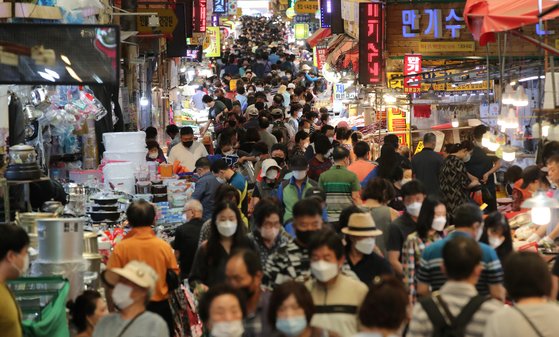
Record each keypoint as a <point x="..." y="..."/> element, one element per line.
<point x="126" y="146"/>
<point x="29" y="222"/>
<point x="61" y="249"/>
<point x="92" y="256"/>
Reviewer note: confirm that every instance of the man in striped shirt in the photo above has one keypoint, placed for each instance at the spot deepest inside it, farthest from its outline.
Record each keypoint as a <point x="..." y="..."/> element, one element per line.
<point x="462" y="263"/>
<point x="469" y="223"/>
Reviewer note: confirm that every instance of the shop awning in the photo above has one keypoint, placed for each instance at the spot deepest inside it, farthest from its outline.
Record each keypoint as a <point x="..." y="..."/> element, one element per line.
<point x="345" y="45"/>
<point x="484" y="18"/>
<point x="319" y="35"/>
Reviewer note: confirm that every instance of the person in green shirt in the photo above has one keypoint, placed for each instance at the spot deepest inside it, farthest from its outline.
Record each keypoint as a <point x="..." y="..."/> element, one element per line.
<point x="14" y="262"/>
<point x="340" y="185"/>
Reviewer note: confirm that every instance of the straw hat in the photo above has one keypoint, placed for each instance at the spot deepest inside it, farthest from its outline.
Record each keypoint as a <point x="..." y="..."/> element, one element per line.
<point x="136" y="272"/>
<point x="361" y="224"/>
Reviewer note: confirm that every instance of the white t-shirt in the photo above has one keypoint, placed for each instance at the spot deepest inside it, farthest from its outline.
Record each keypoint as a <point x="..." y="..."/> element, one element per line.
<point x="187" y="157"/>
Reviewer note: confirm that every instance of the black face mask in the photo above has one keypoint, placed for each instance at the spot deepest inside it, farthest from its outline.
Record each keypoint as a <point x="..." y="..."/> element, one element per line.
<point x="304" y="237"/>
<point x="188" y="144"/>
<point x="279" y="160"/>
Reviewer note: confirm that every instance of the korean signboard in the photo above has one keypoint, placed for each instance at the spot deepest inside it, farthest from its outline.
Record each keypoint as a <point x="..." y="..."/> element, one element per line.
<point x="199" y="16"/>
<point x="446" y="46"/>
<point x="398" y="123"/>
<point x="167" y="20"/>
<point x="301" y="31"/>
<point x="395" y="80"/>
<point x="306" y="7"/>
<point x="321" y="53"/>
<point x="220" y="6"/>
<point x="370" y="43"/>
<point x="412" y="67"/>
<point x="447" y="24"/>
<point x="325" y="13"/>
<point x="302" y="18"/>
<point x="212" y="43"/>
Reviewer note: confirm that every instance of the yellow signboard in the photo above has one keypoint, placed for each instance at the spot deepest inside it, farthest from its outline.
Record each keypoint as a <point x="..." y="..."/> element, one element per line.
<point x="446" y="46"/>
<point x="419" y="147"/>
<point x="398" y="123"/>
<point x="395" y="80"/>
<point x="212" y="43"/>
<point x="306" y="7"/>
<point x="284" y="2"/>
<point x="239" y="11"/>
<point x="167" y="21"/>
<point x="301" y="31"/>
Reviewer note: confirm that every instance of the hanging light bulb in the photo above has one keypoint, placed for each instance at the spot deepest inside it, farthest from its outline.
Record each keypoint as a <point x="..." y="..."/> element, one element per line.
<point x="545" y="129"/>
<point x="536" y="130"/>
<point x="511" y="121"/>
<point x="389" y="99"/>
<point x="455" y="123"/>
<point x="493" y="144"/>
<point x="541" y="206"/>
<point x="144" y="101"/>
<point x="508" y="95"/>
<point x="486" y="139"/>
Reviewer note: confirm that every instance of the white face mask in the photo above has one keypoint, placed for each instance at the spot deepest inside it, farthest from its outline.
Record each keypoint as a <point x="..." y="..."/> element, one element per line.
<point x="438" y="223"/>
<point x="153" y="155"/>
<point x="495" y="242"/>
<point x="302" y="102"/>
<point x="365" y="246"/>
<point x="227" y="228"/>
<point x="324" y="271"/>
<point x="331" y="139"/>
<point x="227" y="329"/>
<point x="221" y="180"/>
<point x="414" y="208"/>
<point x="121" y="296"/>
<point x="269" y="234"/>
<point x="299" y="175"/>
<point x="24" y="268"/>
<point x="272" y="174"/>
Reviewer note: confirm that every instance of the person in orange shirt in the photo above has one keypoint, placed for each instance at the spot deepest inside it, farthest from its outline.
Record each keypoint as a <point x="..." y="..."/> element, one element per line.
<point x="362" y="166"/>
<point x="523" y="188"/>
<point x="141" y="244"/>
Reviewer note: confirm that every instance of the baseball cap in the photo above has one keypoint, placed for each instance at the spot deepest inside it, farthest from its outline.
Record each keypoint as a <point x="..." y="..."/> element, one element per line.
<point x="136" y="272"/>
<point x="317" y="193"/>
<point x="298" y="163"/>
<point x="530" y="174"/>
<point x="276" y="112"/>
<point x="268" y="164"/>
<point x="252" y="111"/>
<point x="291" y="86"/>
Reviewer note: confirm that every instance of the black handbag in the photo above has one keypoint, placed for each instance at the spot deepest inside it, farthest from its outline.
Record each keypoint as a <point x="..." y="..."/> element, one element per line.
<point x="173" y="280"/>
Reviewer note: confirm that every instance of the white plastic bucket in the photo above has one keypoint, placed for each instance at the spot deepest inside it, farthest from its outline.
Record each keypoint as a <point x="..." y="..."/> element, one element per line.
<point x="118" y="170"/>
<point x="127" y="185"/>
<point x="136" y="157"/>
<point x="124" y="141"/>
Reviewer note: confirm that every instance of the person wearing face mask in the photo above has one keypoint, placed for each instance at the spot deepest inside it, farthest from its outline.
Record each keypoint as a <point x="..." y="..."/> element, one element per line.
<point x="265" y="135"/>
<point x="292" y="260"/>
<point x="268" y="233"/>
<point x="215" y="110"/>
<point x="329" y="287"/>
<point x="268" y="186"/>
<point x="294" y="115"/>
<point x="206" y="187"/>
<point x="222" y="310"/>
<point x="319" y="162"/>
<point x="341" y="186"/>
<point x="454" y="178"/>
<point x="361" y="235"/>
<point x="14" y="262"/>
<point x="279" y="152"/>
<point x="413" y="194"/>
<point x="468" y="222"/>
<point x="189" y="151"/>
<point x="132" y="286"/>
<point x="154" y="152"/>
<point x="244" y="273"/>
<point x="362" y="165"/>
<point x="294" y="189"/>
<point x="430" y="228"/>
<point x="225" y="174"/>
<point x="528" y="184"/>
<point x="85" y="311"/>
<point x="497" y="234"/>
<point x="291" y="311"/>
<point x="301" y="144"/>
<point x="226" y="234"/>
<point x="187" y="235"/>
<point x="159" y="256"/>
<point x="376" y="321"/>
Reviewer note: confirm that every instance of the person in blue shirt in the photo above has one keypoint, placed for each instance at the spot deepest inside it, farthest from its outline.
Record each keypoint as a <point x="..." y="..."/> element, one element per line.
<point x="468" y="221"/>
<point x="206" y="187"/>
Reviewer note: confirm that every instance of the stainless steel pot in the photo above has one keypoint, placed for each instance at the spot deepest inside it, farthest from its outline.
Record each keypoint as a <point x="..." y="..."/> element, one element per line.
<point x="90" y="243"/>
<point x="60" y="239"/>
<point x="23" y="154"/>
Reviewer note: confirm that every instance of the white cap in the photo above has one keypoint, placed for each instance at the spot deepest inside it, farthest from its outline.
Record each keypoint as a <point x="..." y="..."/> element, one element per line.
<point x="268" y="164"/>
<point x="291" y="86"/>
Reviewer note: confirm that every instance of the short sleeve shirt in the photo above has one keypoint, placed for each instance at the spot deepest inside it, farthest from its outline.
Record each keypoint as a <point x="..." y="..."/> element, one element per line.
<point x="338" y="183"/>
<point x="398" y="232"/>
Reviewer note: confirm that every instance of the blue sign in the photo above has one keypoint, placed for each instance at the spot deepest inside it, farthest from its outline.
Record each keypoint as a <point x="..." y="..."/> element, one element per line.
<point x="220" y="6"/>
<point x="452" y="22"/>
<point x="302" y="18"/>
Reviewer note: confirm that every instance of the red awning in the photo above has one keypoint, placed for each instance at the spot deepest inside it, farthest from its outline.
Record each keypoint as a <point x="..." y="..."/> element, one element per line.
<point x="318" y="36"/>
<point x="484" y="18"/>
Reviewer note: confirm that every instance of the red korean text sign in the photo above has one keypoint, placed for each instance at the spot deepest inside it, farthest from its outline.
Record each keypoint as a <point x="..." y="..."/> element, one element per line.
<point x="199" y="16"/>
<point x="412" y="69"/>
<point x="321" y="54"/>
<point x="371" y="43"/>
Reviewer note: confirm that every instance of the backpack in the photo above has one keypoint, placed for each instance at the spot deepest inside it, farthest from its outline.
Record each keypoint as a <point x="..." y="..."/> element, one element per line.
<point x="445" y="324"/>
<point x="279" y="126"/>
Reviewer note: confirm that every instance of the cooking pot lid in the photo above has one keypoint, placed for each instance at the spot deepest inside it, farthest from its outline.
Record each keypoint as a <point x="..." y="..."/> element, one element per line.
<point x="22" y="147"/>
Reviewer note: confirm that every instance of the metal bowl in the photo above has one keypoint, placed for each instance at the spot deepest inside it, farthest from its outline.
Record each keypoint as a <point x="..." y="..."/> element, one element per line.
<point x="104" y="216"/>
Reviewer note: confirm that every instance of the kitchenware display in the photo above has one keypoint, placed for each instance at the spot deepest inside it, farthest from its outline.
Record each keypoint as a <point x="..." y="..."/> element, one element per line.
<point x="159" y="198"/>
<point x="22" y="154"/>
<point x="143" y="187"/>
<point x="105" y="200"/>
<point x="104" y="208"/>
<point x="158" y="189"/>
<point x="23" y="163"/>
<point x="131" y="141"/>
<point x="90" y="243"/>
<point x="102" y="216"/>
<point x="52" y="207"/>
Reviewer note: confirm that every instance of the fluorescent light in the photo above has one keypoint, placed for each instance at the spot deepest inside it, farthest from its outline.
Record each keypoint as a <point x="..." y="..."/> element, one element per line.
<point x="144" y="101"/>
<point x="531" y="78"/>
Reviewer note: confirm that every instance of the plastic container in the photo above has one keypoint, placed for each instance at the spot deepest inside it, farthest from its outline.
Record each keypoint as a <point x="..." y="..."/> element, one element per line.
<point x="136" y="157"/>
<point x="124" y="141"/>
<point x="126" y="185"/>
<point x="118" y="170"/>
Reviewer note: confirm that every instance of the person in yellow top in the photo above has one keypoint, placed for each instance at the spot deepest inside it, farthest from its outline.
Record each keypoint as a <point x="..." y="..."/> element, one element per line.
<point x="14" y="262"/>
<point x="141" y="244"/>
